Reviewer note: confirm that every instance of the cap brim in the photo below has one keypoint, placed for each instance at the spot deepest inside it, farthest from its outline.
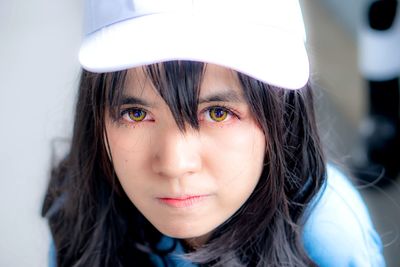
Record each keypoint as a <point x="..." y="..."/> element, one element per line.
<point x="268" y="54"/>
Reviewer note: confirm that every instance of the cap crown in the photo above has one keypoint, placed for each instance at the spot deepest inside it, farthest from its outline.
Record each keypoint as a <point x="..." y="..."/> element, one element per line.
<point x="283" y="14"/>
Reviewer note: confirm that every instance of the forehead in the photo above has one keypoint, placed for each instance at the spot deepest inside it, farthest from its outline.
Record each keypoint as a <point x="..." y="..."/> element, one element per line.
<point x="219" y="78"/>
<point x="214" y="79"/>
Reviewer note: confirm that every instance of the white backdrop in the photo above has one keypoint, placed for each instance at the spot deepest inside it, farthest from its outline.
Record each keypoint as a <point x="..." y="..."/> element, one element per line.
<point x="39" y="41"/>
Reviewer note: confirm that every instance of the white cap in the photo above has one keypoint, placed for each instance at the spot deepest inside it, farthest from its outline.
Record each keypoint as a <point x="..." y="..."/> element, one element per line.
<point x="264" y="39"/>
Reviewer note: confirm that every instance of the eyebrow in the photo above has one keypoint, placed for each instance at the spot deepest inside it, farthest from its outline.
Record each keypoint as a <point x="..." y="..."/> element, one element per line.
<point x="225" y="96"/>
<point x="131" y="100"/>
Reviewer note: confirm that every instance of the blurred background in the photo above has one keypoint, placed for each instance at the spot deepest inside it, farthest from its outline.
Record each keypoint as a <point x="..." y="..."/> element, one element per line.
<point x="39" y="73"/>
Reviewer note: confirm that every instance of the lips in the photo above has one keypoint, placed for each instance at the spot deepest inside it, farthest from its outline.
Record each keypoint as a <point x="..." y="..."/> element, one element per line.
<point x="182" y="202"/>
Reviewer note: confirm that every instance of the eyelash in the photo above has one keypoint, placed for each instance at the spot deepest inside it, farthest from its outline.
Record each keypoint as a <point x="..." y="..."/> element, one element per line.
<point x="231" y="112"/>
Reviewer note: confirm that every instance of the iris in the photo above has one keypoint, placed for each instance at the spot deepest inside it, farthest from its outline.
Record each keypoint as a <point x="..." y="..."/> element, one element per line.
<point x="137" y="114"/>
<point x="218" y="114"/>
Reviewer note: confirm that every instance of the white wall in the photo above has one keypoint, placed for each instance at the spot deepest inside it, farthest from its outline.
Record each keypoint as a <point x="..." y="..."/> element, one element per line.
<point x="39" y="41"/>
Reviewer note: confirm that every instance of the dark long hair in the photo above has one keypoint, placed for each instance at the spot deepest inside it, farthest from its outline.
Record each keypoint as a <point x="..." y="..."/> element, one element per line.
<point x="93" y="222"/>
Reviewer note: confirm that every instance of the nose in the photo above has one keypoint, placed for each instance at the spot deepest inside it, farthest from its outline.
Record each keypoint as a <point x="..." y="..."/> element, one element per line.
<point x="177" y="153"/>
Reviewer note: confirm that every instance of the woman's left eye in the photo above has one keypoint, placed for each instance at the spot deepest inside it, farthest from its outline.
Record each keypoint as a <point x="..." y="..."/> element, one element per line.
<point x="217" y="114"/>
<point x="134" y="115"/>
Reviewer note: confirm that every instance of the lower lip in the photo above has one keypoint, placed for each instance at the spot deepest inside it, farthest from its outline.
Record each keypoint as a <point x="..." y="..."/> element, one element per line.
<point x="182" y="202"/>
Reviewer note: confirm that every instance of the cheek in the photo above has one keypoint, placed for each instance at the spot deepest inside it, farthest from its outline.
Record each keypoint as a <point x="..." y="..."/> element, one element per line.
<point x="236" y="158"/>
<point x="128" y="149"/>
<point x="236" y="147"/>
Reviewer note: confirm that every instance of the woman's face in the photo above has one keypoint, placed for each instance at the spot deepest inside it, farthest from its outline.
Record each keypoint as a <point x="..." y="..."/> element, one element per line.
<point x="187" y="183"/>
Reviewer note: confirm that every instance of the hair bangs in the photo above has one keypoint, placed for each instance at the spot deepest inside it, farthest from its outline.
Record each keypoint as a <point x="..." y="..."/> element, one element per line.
<point x="177" y="82"/>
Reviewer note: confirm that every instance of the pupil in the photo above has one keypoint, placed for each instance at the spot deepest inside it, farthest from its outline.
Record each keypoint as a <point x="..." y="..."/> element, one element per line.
<point x="137" y="113"/>
<point x="219" y="113"/>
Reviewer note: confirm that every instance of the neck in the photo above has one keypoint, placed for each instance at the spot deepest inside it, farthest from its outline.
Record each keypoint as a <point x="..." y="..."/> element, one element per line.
<point x="194" y="243"/>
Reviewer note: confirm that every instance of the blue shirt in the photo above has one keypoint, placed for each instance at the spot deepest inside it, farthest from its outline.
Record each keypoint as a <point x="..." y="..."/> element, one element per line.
<point x="338" y="231"/>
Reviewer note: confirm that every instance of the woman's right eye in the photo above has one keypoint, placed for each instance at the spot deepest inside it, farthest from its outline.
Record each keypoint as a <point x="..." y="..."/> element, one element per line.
<point x="134" y="115"/>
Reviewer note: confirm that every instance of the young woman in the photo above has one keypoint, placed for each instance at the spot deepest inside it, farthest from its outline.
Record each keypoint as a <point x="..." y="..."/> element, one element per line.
<point x="195" y="143"/>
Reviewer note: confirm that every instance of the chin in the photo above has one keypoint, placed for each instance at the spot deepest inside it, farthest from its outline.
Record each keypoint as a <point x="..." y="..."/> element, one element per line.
<point x="182" y="231"/>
